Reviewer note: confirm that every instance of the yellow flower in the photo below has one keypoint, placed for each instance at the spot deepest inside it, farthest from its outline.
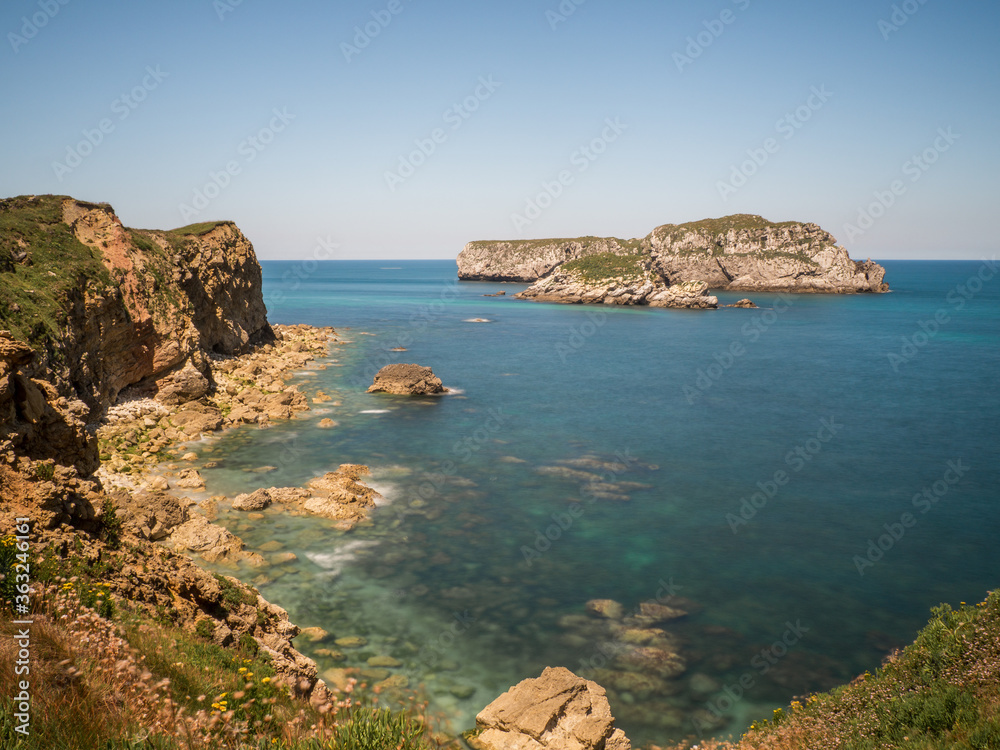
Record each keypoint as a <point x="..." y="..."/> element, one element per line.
<point x="266" y="680"/>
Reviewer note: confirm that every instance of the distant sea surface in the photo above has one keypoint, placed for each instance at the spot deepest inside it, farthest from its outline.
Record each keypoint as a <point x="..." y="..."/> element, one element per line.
<point x="811" y="476"/>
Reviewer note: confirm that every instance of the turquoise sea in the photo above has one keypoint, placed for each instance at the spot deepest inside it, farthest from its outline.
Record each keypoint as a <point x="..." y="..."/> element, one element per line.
<point x="807" y="479"/>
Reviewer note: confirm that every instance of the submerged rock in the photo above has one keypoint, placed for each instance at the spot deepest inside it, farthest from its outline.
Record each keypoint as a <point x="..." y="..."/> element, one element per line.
<point x="607" y="608"/>
<point x="406" y="380"/>
<point x="659" y="661"/>
<point x="743" y="303"/>
<point x="557" y="710"/>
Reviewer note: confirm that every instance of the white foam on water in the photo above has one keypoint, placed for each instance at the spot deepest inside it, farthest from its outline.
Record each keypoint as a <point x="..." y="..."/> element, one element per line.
<point x="375" y="411"/>
<point x="346" y="551"/>
<point x="453" y="392"/>
<point x="387" y="490"/>
<point x="333" y="562"/>
<point x="477" y="320"/>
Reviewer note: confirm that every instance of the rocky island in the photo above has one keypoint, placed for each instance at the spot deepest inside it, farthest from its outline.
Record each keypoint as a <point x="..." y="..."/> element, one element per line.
<point x="740" y="252"/>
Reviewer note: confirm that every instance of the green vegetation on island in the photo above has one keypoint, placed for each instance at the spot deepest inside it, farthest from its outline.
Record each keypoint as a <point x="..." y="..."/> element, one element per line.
<point x="601" y="266"/>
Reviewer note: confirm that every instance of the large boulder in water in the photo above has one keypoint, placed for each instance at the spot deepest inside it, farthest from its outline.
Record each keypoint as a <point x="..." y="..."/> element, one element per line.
<point x="407" y="380"/>
<point x="556" y="711"/>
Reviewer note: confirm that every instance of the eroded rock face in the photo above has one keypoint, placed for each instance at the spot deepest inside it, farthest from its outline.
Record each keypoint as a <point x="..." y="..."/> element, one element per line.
<point x="749" y="253"/>
<point x="528" y="260"/>
<point x="557" y="710"/>
<point x="407" y="380"/>
<point x="570" y="288"/>
<point x="163" y="299"/>
<point x="35" y="421"/>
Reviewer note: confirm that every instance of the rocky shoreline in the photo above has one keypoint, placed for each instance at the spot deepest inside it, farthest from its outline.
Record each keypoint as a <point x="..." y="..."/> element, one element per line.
<point x="143" y="483"/>
<point x="141" y="467"/>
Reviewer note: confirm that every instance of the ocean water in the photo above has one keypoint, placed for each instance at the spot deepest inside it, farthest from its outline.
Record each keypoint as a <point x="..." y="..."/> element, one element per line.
<point x="807" y="479"/>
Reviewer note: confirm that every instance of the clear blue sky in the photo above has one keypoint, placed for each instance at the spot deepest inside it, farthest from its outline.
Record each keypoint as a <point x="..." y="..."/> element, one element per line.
<point x="688" y="108"/>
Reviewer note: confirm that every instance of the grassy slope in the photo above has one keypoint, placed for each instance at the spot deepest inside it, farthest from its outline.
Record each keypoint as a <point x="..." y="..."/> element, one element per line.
<point x="601" y="266"/>
<point x="60" y="266"/>
<point x="110" y="675"/>
<point x="941" y="691"/>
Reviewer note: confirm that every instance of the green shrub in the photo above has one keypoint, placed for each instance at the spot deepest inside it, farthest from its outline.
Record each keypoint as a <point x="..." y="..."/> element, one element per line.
<point x="45" y="471"/>
<point x="248" y="645"/>
<point x="378" y="729"/>
<point x="111" y="524"/>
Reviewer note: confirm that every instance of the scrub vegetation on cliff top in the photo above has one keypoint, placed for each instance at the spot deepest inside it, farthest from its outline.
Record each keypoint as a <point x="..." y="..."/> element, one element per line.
<point x="941" y="691"/>
<point x="718" y="229"/>
<point x="633" y="245"/>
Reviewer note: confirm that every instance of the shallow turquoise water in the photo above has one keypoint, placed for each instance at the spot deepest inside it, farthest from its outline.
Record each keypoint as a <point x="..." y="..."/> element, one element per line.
<point x="700" y="410"/>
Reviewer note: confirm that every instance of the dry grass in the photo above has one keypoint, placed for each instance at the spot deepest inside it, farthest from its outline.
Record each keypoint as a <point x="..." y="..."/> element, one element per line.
<point x="96" y="683"/>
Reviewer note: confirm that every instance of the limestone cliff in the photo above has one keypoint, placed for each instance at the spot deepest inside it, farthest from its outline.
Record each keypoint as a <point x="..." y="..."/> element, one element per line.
<point x="528" y="260"/>
<point x="749" y="253"/>
<point x="740" y="252"/>
<point x="104" y="307"/>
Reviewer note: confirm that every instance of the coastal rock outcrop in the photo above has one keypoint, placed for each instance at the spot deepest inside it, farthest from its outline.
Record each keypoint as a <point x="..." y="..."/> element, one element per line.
<point x="338" y="495"/>
<point x="408" y="380"/>
<point x="555" y="711"/>
<point x="612" y="279"/>
<point x="740" y="252"/>
<point x="35" y="421"/>
<point x="113" y="306"/>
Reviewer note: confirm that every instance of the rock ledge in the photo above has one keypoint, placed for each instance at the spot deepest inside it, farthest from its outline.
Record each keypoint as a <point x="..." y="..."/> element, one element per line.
<point x="557" y="710"/>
